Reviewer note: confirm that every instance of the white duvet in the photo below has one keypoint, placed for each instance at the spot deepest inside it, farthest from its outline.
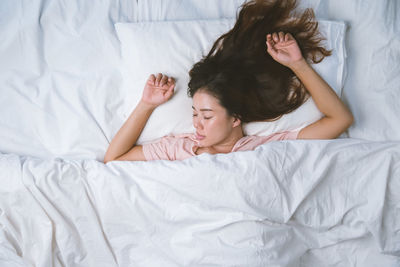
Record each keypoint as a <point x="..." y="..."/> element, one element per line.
<point x="290" y="203"/>
<point x="275" y="206"/>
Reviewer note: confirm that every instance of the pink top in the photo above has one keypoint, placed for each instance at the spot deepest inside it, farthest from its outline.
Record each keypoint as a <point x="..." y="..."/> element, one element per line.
<point x="184" y="146"/>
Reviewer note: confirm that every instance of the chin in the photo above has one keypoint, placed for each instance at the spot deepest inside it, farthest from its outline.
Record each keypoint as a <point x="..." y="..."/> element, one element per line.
<point x="202" y="143"/>
<point x="206" y="142"/>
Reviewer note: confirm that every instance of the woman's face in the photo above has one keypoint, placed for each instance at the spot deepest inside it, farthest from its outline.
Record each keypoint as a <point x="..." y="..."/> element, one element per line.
<point x="212" y="123"/>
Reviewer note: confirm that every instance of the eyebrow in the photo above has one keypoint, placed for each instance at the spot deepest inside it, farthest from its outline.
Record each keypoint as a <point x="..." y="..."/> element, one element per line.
<point x="203" y="109"/>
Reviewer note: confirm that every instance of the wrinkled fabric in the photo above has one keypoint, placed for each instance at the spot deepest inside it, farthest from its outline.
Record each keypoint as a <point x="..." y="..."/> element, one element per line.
<point x="296" y="203"/>
<point x="281" y="205"/>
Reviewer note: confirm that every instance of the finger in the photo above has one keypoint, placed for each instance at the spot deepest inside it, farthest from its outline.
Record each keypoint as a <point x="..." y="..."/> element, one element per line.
<point x="275" y="37"/>
<point x="171" y="84"/>
<point x="170" y="91"/>
<point x="281" y="36"/>
<point x="164" y="80"/>
<point x="151" y="79"/>
<point x="158" y="79"/>
<point x="287" y="37"/>
<point x="271" y="43"/>
<point x="271" y="48"/>
<point x="171" y="81"/>
<point x="269" y="37"/>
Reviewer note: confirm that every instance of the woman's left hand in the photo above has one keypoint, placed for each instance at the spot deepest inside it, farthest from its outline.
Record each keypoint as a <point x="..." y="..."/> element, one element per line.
<point x="284" y="49"/>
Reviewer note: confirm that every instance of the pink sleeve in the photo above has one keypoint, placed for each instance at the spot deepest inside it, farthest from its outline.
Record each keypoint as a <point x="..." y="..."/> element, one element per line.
<point x="160" y="149"/>
<point x="252" y="141"/>
<point x="287" y="135"/>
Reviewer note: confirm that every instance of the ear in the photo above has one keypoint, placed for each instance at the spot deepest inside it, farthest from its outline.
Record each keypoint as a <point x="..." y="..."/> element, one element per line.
<point x="236" y="122"/>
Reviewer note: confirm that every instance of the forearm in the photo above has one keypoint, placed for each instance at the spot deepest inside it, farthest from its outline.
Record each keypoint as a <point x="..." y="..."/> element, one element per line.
<point x="130" y="131"/>
<point x="323" y="95"/>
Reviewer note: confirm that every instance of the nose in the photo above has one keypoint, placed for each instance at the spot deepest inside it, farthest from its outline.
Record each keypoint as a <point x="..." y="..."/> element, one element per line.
<point x="197" y="123"/>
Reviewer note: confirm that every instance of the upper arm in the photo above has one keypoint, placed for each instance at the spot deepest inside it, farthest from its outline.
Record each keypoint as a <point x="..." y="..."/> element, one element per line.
<point x="325" y="128"/>
<point x="134" y="154"/>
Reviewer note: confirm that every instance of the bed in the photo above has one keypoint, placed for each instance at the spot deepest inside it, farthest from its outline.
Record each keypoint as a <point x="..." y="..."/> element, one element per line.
<point x="69" y="77"/>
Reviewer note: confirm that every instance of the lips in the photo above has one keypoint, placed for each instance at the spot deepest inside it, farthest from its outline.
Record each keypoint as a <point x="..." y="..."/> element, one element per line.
<point x="199" y="136"/>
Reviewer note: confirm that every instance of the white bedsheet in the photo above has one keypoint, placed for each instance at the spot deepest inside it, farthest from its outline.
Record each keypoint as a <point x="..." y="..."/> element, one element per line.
<point x="258" y="208"/>
<point x="372" y="90"/>
<point x="61" y="83"/>
<point x="292" y="203"/>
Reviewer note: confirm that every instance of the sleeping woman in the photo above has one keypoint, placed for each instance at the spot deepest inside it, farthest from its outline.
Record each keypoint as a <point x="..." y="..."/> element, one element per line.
<point x="258" y="71"/>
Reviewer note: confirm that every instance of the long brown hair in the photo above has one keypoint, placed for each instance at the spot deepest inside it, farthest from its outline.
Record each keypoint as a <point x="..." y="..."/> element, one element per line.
<point x="240" y="73"/>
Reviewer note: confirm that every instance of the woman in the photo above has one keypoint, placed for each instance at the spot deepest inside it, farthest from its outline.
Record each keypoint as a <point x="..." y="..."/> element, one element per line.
<point x="219" y="110"/>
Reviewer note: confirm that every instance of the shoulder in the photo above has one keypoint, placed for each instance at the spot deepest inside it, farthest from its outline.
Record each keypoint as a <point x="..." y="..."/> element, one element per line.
<point x="283" y="135"/>
<point x="250" y="142"/>
<point x="172" y="139"/>
<point x="170" y="147"/>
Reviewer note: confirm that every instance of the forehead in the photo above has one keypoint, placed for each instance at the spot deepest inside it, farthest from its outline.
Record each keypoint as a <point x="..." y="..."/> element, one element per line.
<point x="203" y="100"/>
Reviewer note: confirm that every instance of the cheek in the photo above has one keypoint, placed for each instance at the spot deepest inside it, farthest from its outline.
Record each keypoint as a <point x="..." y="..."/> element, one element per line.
<point x="210" y="126"/>
<point x="216" y="127"/>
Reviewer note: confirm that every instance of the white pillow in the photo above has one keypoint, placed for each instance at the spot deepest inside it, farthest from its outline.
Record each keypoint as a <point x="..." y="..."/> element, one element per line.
<point x="172" y="47"/>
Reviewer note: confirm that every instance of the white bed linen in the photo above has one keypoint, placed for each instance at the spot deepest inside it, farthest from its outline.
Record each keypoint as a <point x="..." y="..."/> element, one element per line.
<point x="372" y="88"/>
<point x="262" y="208"/>
<point x="59" y="97"/>
<point x="162" y="10"/>
<point x="59" y="76"/>
<point x="61" y="83"/>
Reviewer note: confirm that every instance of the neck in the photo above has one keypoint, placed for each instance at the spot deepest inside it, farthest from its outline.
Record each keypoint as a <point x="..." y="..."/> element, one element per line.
<point x="227" y="145"/>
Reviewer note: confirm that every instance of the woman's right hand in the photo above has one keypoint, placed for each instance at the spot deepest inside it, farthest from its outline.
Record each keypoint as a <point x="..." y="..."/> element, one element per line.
<point x="158" y="90"/>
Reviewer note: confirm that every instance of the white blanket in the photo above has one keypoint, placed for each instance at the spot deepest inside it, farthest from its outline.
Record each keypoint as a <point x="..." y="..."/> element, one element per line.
<point x="257" y="208"/>
<point x="291" y="203"/>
